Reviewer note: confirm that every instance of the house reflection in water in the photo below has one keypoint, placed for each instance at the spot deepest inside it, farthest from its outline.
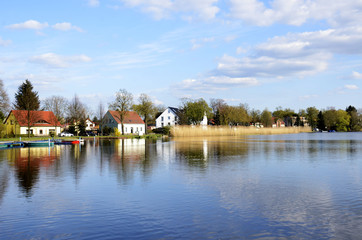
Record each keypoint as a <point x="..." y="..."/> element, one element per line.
<point x="28" y="162"/>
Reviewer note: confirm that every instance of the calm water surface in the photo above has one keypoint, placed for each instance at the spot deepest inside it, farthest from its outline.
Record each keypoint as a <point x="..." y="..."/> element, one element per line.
<point x="305" y="186"/>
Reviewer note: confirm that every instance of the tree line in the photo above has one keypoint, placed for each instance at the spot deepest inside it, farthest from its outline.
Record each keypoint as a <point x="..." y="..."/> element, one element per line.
<point x="191" y="111"/>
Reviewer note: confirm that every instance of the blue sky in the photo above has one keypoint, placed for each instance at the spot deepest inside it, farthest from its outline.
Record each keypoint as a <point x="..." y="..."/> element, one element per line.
<point x="289" y="53"/>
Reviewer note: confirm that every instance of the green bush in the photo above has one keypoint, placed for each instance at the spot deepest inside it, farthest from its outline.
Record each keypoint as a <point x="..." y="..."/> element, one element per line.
<point x="163" y="130"/>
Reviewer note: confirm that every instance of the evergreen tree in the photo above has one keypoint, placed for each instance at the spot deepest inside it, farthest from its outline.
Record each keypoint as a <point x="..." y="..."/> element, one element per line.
<point x="320" y="122"/>
<point x="354" y="124"/>
<point x="26" y="98"/>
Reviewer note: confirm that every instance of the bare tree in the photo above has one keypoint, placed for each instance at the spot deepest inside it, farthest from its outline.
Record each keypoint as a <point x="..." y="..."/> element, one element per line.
<point x="145" y="108"/>
<point x="122" y="104"/>
<point x="100" y="115"/>
<point x="4" y="100"/>
<point x="58" y="105"/>
<point x="76" y="110"/>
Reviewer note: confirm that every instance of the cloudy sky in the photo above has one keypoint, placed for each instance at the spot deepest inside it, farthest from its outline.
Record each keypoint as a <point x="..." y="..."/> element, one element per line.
<point x="289" y="53"/>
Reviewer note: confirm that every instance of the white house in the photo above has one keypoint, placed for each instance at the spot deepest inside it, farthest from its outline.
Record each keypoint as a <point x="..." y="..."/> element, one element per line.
<point x="169" y="117"/>
<point x="133" y="123"/>
<point x="90" y="125"/>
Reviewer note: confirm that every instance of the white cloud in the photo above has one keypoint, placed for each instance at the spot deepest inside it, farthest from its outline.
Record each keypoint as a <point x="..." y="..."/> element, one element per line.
<point x="197" y="43"/>
<point x="356" y="75"/>
<point x="4" y="42"/>
<point x="30" y="24"/>
<point x="297" y="12"/>
<point x="272" y="67"/>
<point x="351" y="87"/>
<point x="66" y="26"/>
<point x="160" y="9"/>
<point x="294" y="55"/>
<point x="215" y="83"/>
<point x="93" y="3"/>
<point x="54" y="60"/>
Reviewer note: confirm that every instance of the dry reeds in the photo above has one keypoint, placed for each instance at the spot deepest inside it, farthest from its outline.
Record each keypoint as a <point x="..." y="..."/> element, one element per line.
<point x="206" y="131"/>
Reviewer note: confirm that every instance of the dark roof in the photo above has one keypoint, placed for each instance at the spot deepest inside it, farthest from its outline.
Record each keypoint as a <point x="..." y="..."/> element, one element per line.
<point x="175" y="110"/>
<point x="130" y="118"/>
<point x="36" y="118"/>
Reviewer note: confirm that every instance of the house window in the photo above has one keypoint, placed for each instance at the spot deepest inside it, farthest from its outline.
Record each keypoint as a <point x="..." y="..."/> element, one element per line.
<point x="169" y="124"/>
<point x="169" y="118"/>
<point x="140" y="129"/>
<point x="137" y="129"/>
<point x="11" y="122"/>
<point x="169" y="111"/>
<point x="40" y="131"/>
<point x="161" y="124"/>
<point x="161" y="118"/>
<point x="125" y="129"/>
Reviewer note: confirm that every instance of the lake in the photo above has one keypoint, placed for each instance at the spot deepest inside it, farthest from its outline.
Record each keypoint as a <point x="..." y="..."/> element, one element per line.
<point x="298" y="186"/>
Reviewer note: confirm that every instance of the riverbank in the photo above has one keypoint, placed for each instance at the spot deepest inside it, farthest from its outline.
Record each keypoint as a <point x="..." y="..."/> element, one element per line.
<point x="77" y="137"/>
<point x="203" y="131"/>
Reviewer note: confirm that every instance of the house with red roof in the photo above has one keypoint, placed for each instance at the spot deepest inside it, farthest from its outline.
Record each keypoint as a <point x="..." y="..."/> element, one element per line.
<point x="133" y="123"/>
<point x="41" y="123"/>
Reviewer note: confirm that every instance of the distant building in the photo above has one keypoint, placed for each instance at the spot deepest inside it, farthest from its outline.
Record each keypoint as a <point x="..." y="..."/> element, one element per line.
<point x="42" y="123"/>
<point x="169" y="117"/>
<point x="204" y="121"/>
<point x="89" y="125"/>
<point x="133" y="123"/>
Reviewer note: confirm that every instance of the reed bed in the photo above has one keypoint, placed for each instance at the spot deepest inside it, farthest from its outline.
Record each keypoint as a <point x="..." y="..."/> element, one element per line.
<point x="209" y="131"/>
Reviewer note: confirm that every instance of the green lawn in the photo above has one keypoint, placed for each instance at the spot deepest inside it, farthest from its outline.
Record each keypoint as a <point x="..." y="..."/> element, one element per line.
<point x="76" y="137"/>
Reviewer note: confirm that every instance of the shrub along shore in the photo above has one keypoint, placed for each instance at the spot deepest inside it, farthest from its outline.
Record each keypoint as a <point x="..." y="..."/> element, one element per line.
<point x="215" y="131"/>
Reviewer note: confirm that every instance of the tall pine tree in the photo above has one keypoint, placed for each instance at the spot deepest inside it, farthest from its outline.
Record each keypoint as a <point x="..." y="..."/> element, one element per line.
<point x="27" y="99"/>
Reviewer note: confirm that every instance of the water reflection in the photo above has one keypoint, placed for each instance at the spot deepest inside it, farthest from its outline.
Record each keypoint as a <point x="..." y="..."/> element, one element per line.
<point x="28" y="162"/>
<point x="262" y="187"/>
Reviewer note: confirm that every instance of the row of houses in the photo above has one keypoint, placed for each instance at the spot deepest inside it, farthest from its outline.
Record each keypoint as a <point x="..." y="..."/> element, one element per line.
<point x="44" y="123"/>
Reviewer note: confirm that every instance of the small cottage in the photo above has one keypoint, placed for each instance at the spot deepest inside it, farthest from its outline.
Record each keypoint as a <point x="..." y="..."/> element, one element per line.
<point x="41" y="123"/>
<point x="133" y="123"/>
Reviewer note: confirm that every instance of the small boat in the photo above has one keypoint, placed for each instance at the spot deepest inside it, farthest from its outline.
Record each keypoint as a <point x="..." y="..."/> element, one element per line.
<point x="66" y="142"/>
<point x="39" y="144"/>
<point x="5" y="144"/>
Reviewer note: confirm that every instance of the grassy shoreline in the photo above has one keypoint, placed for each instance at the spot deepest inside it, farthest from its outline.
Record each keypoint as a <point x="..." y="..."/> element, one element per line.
<point x="77" y="137"/>
<point x="205" y="131"/>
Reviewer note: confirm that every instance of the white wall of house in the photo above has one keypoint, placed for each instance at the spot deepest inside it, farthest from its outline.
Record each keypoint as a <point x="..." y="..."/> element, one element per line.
<point x="138" y="129"/>
<point x="40" y="131"/>
<point x="89" y="125"/>
<point x="204" y="121"/>
<point x="167" y="118"/>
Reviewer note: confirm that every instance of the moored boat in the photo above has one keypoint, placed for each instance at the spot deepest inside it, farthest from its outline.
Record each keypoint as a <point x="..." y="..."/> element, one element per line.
<point x="39" y="144"/>
<point x="67" y="142"/>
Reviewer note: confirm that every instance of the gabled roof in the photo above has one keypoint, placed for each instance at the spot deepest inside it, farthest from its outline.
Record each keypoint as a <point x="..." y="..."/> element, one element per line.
<point x="36" y="118"/>
<point x="130" y="118"/>
<point x="174" y="110"/>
